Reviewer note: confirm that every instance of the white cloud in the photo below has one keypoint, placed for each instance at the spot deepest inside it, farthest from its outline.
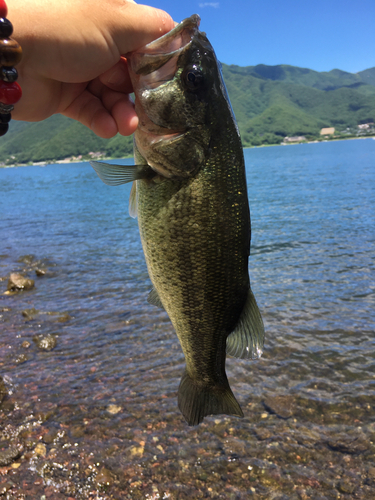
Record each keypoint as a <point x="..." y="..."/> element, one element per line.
<point x="215" y="5"/>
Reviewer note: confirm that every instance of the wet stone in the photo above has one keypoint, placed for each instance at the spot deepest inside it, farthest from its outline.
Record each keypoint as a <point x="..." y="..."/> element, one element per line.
<point x="40" y="450"/>
<point x="64" y="317"/>
<point x="45" y="342"/>
<point x="135" y="451"/>
<point x="21" y="358"/>
<point x="3" y="390"/>
<point x="51" y="436"/>
<point x="262" y="433"/>
<point x="351" y="446"/>
<point x="9" y="455"/>
<point x="104" y="477"/>
<point x="26" y="259"/>
<point x="282" y="406"/>
<point x="30" y="313"/>
<point x="18" y="282"/>
<point x="345" y="486"/>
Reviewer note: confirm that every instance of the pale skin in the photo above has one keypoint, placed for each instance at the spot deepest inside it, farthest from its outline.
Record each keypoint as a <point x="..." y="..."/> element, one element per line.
<point x="72" y="60"/>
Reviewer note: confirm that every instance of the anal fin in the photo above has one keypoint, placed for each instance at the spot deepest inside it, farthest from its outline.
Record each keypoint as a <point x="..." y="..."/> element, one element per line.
<point x="247" y="339"/>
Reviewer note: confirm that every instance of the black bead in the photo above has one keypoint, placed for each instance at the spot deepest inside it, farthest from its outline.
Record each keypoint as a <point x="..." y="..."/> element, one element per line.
<point x="8" y="74"/>
<point x="6" y="28"/>
<point x="5" y="118"/>
<point x="3" y="128"/>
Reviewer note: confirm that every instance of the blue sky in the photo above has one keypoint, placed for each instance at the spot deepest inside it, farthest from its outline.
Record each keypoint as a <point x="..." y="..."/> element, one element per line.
<point x="316" y="34"/>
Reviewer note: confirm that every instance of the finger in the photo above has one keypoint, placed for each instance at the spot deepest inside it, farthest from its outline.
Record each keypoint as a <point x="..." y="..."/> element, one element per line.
<point x="117" y="77"/>
<point x="121" y="108"/>
<point x="89" y="110"/>
<point x="143" y="24"/>
<point x="125" y="117"/>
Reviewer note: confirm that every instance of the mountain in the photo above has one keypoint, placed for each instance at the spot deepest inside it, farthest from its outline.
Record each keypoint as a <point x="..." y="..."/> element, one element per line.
<point x="270" y="103"/>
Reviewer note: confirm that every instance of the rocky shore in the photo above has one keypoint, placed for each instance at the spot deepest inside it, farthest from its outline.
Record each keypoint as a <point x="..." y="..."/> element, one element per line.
<point x="288" y="446"/>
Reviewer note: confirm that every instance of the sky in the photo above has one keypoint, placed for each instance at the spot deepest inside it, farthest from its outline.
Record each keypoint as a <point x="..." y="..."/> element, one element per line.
<point x="315" y="34"/>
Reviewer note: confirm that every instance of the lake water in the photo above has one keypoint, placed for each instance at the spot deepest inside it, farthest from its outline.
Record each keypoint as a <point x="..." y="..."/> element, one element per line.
<point x="96" y="417"/>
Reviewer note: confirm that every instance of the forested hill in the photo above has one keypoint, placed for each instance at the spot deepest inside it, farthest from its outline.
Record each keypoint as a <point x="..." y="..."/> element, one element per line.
<point x="270" y="103"/>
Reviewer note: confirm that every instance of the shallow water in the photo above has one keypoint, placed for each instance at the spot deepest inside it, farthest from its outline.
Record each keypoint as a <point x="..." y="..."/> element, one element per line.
<point x="97" y="416"/>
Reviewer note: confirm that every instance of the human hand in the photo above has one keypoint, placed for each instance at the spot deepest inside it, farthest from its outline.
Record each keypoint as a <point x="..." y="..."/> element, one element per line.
<point x="72" y="60"/>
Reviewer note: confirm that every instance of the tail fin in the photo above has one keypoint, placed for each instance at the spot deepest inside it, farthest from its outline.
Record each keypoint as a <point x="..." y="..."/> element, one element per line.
<point x="197" y="401"/>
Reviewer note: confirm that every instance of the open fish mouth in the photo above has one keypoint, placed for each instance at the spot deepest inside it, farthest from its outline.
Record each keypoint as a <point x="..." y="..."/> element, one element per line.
<point x="170" y="135"/>
<point x="156" y="62"/>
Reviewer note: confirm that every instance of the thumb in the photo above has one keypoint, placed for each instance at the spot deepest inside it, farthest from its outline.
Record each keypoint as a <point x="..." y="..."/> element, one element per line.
<point x="139" y="25"/>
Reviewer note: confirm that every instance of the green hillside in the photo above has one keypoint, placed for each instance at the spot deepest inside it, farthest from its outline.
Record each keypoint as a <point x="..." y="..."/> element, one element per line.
<point x="270" y="103"/>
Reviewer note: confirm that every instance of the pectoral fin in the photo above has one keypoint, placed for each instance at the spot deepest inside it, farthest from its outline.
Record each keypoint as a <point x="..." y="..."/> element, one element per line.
<point x="247" y="339"/>
<point x="114" y="175"/>
<point x="154" y="299"/>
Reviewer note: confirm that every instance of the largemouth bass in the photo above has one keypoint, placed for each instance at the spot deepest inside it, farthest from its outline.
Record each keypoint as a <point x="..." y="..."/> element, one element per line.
<point x="190" y="196"/>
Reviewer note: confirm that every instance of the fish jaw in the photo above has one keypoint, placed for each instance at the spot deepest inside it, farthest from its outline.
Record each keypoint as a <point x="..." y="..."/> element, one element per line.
<point x="148" y="59"/>
<point x="171" y="118"/>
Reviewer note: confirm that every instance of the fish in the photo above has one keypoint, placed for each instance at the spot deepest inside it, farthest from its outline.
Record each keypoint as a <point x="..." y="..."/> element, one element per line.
<point x="190" y="196"/>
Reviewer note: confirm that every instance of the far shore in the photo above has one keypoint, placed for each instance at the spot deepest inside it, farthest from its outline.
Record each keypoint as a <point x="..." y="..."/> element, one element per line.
<point x="73" y="159"/>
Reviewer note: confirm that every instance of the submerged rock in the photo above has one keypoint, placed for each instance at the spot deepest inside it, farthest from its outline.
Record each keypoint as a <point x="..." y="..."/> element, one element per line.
<point x="45" y="342"/>
<point x="349" y="445"/>
<point x="10" y="455"/>
<point x="18" y="282"/>
<point x="40" y="272"/>
<point x="30" y="313"/>
<point x="104" y="477"/>
<point x="282" y="406"/>
<point x="3" y="390"/>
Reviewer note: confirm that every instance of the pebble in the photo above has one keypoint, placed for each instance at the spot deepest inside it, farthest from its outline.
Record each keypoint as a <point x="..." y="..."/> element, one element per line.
<point x="114" y="409"/>
<point x="40" y="450"/>
<point x="45" y="342"/>
<point x="345" y="486"/>
<point x="135" y="451"/>
<point x="104" y="477"/>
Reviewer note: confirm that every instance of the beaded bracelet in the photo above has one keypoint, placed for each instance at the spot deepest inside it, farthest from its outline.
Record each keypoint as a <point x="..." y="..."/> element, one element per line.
<point x="10" y="55"/>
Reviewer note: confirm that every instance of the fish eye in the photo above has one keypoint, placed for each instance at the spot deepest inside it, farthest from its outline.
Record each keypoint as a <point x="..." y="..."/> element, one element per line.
<point x="193" y="77"/>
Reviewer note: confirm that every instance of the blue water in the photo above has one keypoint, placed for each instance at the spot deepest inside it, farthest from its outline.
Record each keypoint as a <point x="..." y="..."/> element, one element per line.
<point x="311" y="268"/>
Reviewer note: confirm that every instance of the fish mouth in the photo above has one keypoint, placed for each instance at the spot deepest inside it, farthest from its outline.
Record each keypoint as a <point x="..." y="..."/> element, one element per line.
<point x="164" y="52"/>
<point x="164" y="127"/>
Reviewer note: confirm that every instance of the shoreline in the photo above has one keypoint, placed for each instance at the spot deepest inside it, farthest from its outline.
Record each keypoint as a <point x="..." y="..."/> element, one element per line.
<point x="105" y="158"/>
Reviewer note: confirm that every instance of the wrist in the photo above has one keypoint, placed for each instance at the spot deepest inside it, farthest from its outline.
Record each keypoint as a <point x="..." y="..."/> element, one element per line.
<point x="10" y="55"/>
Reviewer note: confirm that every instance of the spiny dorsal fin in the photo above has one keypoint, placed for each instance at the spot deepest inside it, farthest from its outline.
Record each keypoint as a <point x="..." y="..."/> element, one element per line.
<point x="114" y="175"/>
<point x="247" y="339"/>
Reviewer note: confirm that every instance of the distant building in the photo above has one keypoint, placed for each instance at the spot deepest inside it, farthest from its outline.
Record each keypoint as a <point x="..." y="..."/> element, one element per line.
<point x="327" y="131"/>
<point x="299" y="138"/>
<point x="364" y="126"/>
